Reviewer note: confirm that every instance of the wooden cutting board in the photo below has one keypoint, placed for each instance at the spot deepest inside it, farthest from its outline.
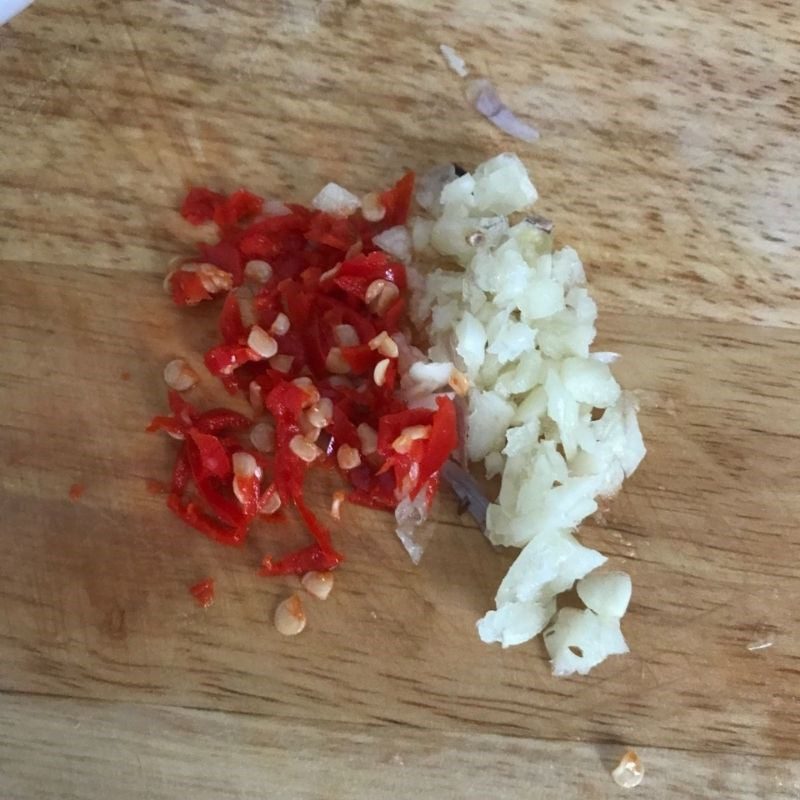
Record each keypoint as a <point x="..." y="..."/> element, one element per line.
<point x="668" y="156"/>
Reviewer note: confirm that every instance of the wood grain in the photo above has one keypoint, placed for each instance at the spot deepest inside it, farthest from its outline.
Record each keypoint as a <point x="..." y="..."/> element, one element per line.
<point x="90" y="749"/>
<point x="668" y="158"/>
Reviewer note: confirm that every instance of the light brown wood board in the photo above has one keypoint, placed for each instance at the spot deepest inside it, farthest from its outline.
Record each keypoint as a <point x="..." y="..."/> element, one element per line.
<point x="668" y="157"/>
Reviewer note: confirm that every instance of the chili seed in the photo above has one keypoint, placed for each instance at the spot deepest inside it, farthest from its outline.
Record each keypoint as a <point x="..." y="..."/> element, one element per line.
<point x="262" y="437"/>
<point x="385" y="345"/>
<point x="322" y="413"/>
<point x="261" y="343"/>
<point x="629" y="772"/>
<point x="303" y="449"/>
<point x="178" y="375"/>
<point x="257" y="270"/>
<point x="379" y="373"/>
<point x="402" y="444"/>
<point x="336" y="363"/>
<point x="213" y="278"/>
<point x="368" y="438"/>
<point x="290" y="618"/>
<point x="348" y="457"/>
<point x="371" y="207"/>
<point x="281" y="325"/>
<point x="318" y="584"/>
<point x="270" y="502"/>
<point x="380" y="295"/>
<point x="281" y="363"/>
<point x="346" y="336"/>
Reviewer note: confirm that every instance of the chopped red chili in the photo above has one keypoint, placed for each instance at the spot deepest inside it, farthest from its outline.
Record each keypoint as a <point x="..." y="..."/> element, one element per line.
<point x="203" y="592"/>
<point x="338" y="292"/>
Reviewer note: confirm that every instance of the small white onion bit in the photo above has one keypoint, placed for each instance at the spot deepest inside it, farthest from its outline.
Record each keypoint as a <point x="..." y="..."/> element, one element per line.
<point x="318" y="584"/>
<point x="290" y="617"/>
<point x="178" y="375"/>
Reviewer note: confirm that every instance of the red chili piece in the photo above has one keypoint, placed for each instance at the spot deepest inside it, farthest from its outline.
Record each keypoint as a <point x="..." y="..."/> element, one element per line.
<point x="203" y="592"/>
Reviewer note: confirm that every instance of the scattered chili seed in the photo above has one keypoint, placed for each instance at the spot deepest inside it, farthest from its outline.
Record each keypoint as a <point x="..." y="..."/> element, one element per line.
<point x="290" y="617"/>
<point x="318" y="584"/>
<point x="178" y="375"/>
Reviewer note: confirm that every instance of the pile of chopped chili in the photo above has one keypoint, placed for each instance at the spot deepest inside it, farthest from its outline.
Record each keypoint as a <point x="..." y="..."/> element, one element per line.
<point x="311" y="313"/>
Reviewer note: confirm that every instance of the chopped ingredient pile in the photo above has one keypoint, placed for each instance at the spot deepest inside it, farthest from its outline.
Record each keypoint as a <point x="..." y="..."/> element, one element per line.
<point x="311" y="332"/>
